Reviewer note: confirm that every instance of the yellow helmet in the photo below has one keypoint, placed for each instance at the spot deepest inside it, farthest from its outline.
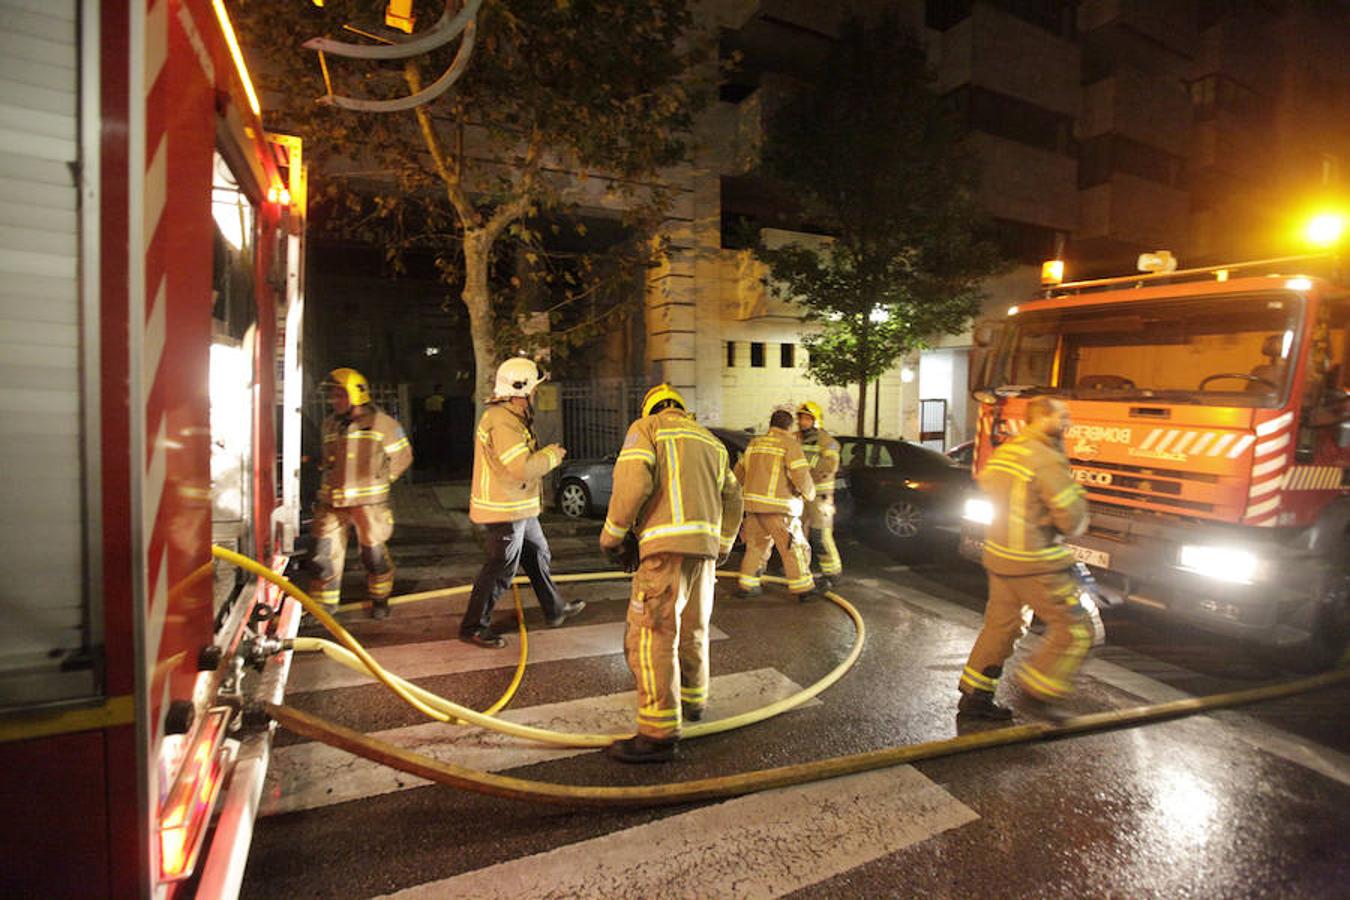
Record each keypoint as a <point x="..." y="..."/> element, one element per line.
<point x="812" y="410"/>
<point x="353" y="382"/>
<point x="656" y="395"/>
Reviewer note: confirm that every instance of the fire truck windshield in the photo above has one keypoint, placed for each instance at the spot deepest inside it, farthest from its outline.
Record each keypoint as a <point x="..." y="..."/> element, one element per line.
<point x="1215" y="351"/>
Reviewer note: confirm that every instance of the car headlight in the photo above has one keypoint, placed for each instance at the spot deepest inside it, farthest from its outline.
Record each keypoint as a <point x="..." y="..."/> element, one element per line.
<point x="978" y="509"/>
<point x="1222" y="563"/>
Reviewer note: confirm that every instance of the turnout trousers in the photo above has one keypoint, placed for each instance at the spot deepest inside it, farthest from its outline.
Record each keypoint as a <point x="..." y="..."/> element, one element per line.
<point x="1048" y="674"/>
<point x="818" y="523"/>
<point x="763" y="532"/>
<point x="509" y="544"/>
<point x="666" y="640"/>
<point x="374" y="525"/>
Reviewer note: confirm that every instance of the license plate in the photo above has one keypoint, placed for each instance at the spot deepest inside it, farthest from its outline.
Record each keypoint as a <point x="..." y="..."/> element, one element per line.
<point x="1099" y="558"/>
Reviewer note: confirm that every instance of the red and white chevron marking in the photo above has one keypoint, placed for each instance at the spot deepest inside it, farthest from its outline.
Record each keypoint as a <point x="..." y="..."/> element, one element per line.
<point x="1270" y="460"/>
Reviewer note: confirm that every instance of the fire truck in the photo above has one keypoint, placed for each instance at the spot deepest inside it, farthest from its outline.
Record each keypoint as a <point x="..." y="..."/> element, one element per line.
<point x="1211" y="430"/>
<point x="151" y="258"/>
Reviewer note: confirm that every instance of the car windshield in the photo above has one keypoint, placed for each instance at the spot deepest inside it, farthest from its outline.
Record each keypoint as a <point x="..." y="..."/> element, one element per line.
<point x="1221" y="351"/>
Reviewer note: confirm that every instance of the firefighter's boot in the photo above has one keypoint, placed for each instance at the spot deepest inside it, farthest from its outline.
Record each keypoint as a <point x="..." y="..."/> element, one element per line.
<point x="642" y="749"/>
<point x="1042" y="708"/>
<point x="981" y="705"/>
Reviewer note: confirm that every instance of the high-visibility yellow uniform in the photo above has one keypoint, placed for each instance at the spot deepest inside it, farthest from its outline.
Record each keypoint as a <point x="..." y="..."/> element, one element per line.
<point x="1036" y="501"/>
<point x="507" y="467"/>
<point x="504" y="497"/>
<point x="776" y="482"/>
<point x="364" y="453"/>
<point x="822" y="453"/>
<point x="674" y="489"/>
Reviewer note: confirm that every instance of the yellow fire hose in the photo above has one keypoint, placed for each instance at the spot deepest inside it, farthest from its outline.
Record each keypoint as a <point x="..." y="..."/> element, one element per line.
<point x="750" y="782"/>
<point x="316" y="728"/>
<point x="350" y="653"/>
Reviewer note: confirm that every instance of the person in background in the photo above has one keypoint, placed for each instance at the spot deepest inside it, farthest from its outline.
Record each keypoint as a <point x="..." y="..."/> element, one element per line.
<point x="364" y="453"/>
<point x="776" y="482"/>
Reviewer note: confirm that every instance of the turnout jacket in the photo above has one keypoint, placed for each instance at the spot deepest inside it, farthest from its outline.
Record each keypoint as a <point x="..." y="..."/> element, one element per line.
<point x="507" y="467"/>
<point x="674" y="488"/>
<point x="822" y="454"/>
<point x="1035" y="501"/>
<point x="363" y="454"/>
<point x="775" y="474"/>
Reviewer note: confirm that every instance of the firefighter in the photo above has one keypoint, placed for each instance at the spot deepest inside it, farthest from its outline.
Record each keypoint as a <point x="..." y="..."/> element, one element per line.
<point x="364" y="453"/>
<point x="673" y="490"/>
<point x="822" y="453"/>
<point x="504" y="497"/>
<point x="1036" y="503"/>
<point x="776" y="482"/>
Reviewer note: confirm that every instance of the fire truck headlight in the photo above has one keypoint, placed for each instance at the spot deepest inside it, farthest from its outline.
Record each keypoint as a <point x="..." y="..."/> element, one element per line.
<point x="979" y="510"/>
<point x="1222" y="563"/>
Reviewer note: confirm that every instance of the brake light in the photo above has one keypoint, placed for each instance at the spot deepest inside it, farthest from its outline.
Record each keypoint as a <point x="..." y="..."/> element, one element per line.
<point x="186" y="812"/>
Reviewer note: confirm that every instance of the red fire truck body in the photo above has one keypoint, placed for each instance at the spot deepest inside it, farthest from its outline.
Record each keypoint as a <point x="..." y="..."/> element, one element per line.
<point x="154" y="285"/>
<point x="1211" y="430"/>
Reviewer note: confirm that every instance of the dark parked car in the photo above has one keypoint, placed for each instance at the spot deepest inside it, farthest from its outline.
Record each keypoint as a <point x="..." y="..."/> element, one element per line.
<point x="584" y="485"/>
<point x="903" y="495"/>
<point x="963" y="455"/>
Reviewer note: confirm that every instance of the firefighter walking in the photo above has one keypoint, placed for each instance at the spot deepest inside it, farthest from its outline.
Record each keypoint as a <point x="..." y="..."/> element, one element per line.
<point x="1035" y="504"/>
<point x="822" y="454"/>
<point x="364" y="453"/>
<point x="675" y="492"/>
<point x="504" y="497"/>
<point x="776" y="483"/>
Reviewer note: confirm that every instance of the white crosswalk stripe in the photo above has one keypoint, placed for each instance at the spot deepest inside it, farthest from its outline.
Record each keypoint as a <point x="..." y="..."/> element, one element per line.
<point x="305" y="776"/>
<point x="314" y="672"/>
<point x="763" y="845"/>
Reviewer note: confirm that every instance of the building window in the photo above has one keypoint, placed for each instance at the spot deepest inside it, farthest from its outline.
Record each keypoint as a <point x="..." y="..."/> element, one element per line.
<point x="757" y="355"/>
<point x="1054" y="16"/>
<point x="731" y="354"/>
<point x="1105" y="155"/>
<point x="787" y="354"/>
<point x="989" y="112"/>
<point x="1024" y="242"/>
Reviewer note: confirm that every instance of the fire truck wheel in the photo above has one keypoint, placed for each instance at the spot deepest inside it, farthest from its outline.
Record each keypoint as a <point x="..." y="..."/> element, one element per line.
<point x="1328" y="639"/>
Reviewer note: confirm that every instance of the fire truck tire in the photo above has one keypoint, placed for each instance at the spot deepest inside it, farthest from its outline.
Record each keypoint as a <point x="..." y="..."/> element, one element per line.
<point x="1327" y="626"/>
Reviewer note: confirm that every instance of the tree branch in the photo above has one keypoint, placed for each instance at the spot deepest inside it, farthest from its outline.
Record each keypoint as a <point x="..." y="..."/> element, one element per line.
<point x="511" y="211"/>
<point x="450" y="175"/>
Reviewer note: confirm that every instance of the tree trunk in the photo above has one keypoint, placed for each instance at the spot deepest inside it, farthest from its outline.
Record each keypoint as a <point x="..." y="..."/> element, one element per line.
<point x="478" y="301"/>
<point x="860" y="427"/>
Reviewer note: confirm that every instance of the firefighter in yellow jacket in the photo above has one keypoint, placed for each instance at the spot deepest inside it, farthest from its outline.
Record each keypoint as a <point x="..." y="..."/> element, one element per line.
<point x="675" y="494"/>
<point x="504" y="497"/>
<point x="364" y="453"/>
<point x="776" y="482"/>
<point x="822" y="453"/>
<point x="1035" y="503"/>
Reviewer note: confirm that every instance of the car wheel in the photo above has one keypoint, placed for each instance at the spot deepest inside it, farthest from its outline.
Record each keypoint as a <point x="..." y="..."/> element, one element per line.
<point x="574" y="500"/>
<point x="902" y="521"/>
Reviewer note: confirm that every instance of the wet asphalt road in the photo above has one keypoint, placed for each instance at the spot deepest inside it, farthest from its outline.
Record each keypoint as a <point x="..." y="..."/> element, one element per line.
<point x="1233" y="804"/>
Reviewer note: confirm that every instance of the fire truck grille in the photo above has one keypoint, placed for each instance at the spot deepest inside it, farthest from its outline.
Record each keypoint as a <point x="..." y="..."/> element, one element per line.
<point x="1161" y="487"/>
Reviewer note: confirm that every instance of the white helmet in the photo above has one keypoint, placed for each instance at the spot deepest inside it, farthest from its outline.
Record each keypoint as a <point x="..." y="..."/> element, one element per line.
<point x="518" y="377"/>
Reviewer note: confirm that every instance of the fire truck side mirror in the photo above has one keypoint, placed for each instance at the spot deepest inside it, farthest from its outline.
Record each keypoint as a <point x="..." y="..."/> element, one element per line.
<point x="1343" y="434"/>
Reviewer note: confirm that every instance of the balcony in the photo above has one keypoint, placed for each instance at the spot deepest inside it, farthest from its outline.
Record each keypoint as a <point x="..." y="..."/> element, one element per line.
<point x="1171" y="25"/>
<point x="993" y="49"/>
<point x="1130" y="210"/>
<point x="1026" y="184"/>
<point x="1152" y="110"/>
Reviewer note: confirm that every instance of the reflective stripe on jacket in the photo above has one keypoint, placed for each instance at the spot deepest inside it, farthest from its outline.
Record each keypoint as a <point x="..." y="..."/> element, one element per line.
<point x="362" y="456"/>
<point x="775" y="477"/>
<point x="1035" y="501"/>
<point x="822" y="453"/>
<point x="674" y="488"/>
<point x="507" y="467"/>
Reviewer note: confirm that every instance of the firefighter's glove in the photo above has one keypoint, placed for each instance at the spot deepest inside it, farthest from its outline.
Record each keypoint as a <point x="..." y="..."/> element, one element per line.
<point x="625" y="556"/>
